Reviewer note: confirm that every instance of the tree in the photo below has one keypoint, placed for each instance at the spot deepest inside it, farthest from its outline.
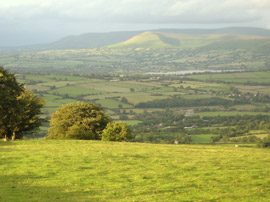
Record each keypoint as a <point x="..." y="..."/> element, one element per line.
<point x="26" y="116"/>
<point x="79" y="120"/>
<point x="19" y="108"/>
<point x="9" y="91"/>
<point x="117" y="131"/>
<point x="124" y="100"/>
<point x="265" y="142"/>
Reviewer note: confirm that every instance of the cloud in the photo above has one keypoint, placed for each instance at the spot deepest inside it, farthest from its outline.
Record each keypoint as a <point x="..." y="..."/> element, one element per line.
<point x="65" y="17"/>
<point x="137" y="11"/>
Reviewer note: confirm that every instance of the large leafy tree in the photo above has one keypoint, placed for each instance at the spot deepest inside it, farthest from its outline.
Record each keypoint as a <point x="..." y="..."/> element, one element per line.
<point x="79" y="120"/>
<point x="19" y="108"/>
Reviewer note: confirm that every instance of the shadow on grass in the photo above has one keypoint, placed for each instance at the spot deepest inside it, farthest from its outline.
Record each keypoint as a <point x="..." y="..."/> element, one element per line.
<point x="24" y="188"/>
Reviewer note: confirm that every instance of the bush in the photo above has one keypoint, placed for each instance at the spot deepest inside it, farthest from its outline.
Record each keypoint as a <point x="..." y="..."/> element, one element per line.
<point x="117" y="131"/>
<point x="78" y="121"/>
<point x="265" y="142"/>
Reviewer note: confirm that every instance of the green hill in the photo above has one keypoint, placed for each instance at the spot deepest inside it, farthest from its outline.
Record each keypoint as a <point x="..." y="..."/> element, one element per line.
<point x="249" y="31"/>
<point x="156" y="38"/>
<point x="208" y="41"/>
<point x="91" y="40"/>
<point x="161" y="50"/>
<point x="258" y="45"/>
<point x="148" y="40"/>
<point x="96" y="40"/>
<point x="65" y="171"/>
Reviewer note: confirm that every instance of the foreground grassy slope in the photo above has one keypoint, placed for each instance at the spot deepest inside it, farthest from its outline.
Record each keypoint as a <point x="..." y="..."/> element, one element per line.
<point x="105" y="171"/>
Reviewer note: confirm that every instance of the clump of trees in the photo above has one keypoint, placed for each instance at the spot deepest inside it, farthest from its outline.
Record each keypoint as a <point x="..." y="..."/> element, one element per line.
<point x="265" y="142"/>
<point x="87" y="121"/>
<point x="19" y="108"/>
<point x="116" y="132"/>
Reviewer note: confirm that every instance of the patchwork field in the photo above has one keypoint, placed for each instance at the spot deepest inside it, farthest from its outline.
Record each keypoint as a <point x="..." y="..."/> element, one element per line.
<point x="121" y="96"/>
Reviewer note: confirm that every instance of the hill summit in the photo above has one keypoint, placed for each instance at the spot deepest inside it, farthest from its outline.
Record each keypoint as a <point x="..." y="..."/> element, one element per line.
<point x="149" y="40"/>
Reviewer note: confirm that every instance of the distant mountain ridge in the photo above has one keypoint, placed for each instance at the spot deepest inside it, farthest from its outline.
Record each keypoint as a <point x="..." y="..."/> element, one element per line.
<point x="159" y="38"/>
<point x="229" y="30"/>
<point x="96" y="40"/>
<point x="92" y="40"/>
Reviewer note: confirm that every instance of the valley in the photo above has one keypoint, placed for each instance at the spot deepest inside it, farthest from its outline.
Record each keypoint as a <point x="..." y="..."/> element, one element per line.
<point x="149" y="51"/>
<point x="159" y="107"/>
<point x="135" y="101"/>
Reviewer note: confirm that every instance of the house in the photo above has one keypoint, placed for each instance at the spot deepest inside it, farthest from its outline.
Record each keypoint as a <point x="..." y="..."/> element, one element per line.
<point x="190" y="127"/>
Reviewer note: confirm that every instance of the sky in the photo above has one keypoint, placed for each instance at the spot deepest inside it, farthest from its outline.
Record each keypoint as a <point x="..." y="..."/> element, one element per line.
<point x="25" y="22"/>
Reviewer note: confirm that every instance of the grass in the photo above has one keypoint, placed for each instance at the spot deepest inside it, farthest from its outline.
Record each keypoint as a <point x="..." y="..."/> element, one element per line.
<point x="74" y="91"/>
<point x="43" y="170"/>
<point x="201" y="139"/>
<point x="242" y="77"/>
<point x="109" y="103"/>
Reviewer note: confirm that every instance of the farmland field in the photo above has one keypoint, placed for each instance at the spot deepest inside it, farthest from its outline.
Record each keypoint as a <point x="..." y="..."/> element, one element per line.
<point x="201" y="138"/>
<point x="150" y="51"/>
<point x="128" y="98"/>
<point x="44" y="170"/>
<point x="243" y="77"/>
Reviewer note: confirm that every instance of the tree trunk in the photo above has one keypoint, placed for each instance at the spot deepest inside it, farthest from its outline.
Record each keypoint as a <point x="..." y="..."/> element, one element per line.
<point x="13" y="136"/>
<point x="6" y="138"/>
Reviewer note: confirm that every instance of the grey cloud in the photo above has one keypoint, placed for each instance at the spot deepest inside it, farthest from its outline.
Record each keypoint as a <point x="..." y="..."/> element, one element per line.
<point x="139" y="11"/>
<point x="53" y="19"/>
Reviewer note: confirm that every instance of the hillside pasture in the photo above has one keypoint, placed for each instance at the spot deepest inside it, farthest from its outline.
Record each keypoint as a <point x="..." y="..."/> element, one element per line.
<point x="235" y="77"/>
<point x="74" y="91"/>
<point x="110" y="103"/>
<point x="44" y="170"/>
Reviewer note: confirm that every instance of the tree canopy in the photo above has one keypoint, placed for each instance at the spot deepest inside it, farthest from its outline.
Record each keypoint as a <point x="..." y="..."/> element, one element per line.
<point x="19" y="108"/>
<point x="78" y="121"/>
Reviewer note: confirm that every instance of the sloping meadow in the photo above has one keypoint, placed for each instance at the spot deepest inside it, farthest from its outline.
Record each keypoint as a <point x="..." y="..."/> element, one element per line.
<point x="49" y="170"/>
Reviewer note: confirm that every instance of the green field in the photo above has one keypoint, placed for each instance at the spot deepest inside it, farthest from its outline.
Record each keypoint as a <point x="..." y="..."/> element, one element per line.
<point x="242" y="77"/>
<point x="109" y="103"/>
<point x="44" y="170"/>
<point x="132" y="122"/>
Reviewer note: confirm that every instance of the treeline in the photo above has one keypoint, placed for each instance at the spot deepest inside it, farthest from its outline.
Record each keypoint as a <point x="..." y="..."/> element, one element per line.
<point x="164" y="125"/>
<point x="162" y="137"/>
<point x="213" y="101"/>
<point x="181" y="102"/>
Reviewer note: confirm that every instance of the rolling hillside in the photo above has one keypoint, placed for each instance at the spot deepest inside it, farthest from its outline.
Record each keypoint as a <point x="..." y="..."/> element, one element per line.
<point x="96" y="40"/>
<point x="91" y="40"/>
<point x="160" y="50"/>
<point x="161" y="38"/>
<point x="98" y="171"/>
<point x="149" y="40"/>
<point x="209" y="41"/>
<point x="255" y="44"/>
